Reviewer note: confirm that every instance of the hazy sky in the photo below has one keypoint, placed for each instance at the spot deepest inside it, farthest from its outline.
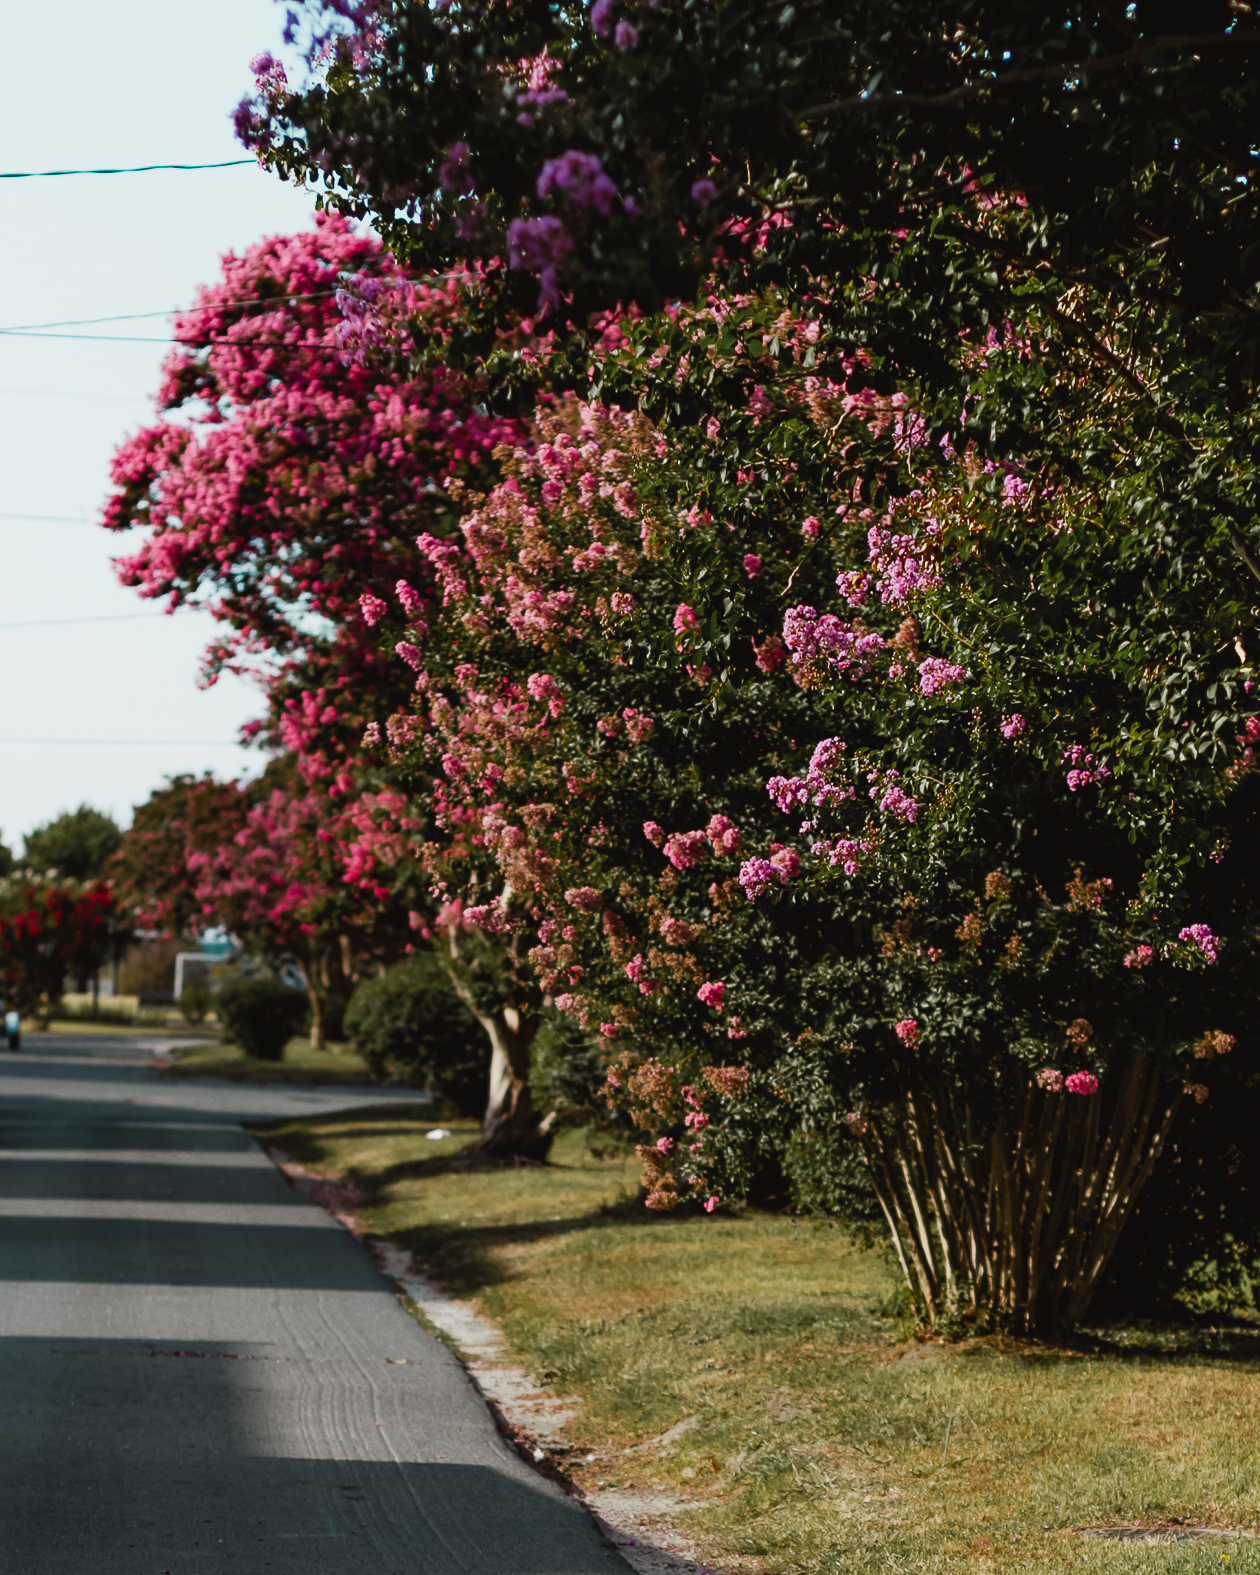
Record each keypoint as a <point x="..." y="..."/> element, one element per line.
<point x="133" y="82"/>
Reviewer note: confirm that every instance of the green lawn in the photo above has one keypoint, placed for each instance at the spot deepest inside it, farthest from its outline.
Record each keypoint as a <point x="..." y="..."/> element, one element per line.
<point x="823" y="1440"/>
<point x="301" y="1064"/>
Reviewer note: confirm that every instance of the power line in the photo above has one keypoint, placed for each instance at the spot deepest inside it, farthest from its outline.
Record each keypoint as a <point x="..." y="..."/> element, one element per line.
<point x="132" y="743"/>
<point x="266" y="302"/>
<point x="134" y="169"/>
<point x="51" y="519"/>
<point x="48" y="623"/>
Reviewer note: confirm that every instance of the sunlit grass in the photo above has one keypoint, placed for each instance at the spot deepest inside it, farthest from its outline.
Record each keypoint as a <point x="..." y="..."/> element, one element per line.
<point x="820" y="1440"/>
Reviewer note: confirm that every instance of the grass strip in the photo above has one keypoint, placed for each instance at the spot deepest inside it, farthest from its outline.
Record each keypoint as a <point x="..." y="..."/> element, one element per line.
<point x="752" y="1369"/>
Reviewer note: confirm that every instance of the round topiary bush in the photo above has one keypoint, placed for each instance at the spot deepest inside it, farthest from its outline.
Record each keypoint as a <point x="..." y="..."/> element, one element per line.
<point x="261" y="1015"/>
<point x="410" y="1026"/>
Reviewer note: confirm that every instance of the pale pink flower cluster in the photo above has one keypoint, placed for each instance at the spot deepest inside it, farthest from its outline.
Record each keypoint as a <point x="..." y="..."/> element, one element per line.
<point x="1081" y="1083"/>
<point x="542" y="686"/>
<point x="374" y="609"/>
<point x="411" y="654"/>
<point x="410" y="598"/>
<point x="1050" y="1079"/>
<point x="1140" y="957"/>
<point x="1085" y="768"/>
<point x="857" y="1123"/>
<point x="586" y="899"/>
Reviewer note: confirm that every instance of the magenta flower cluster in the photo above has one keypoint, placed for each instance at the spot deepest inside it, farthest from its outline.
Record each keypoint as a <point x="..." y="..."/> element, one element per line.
<point x="1084" y="768"/>
<point x="1201" y="938"/>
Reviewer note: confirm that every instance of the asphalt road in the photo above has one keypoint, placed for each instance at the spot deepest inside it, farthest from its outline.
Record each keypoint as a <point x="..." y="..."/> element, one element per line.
<point x="201" y="1372"/>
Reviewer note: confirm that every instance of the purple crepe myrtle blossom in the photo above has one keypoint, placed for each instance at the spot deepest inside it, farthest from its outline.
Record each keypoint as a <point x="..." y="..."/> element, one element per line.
<point x="1085" y="768"/>
<point x="602" y="17"/>
<point x="580" y="177"/>
<point x="540" y="246"/>
<point x="703" y="192"/>
<point x="455" y="173"/>
<point x="936" y="674"/>
<point x="892" y="799"/>
<point x="1204" y="942"/>
<point x="757" y="876"/>
<point x="626" y="36"/>
<point x="1014" y="726"/>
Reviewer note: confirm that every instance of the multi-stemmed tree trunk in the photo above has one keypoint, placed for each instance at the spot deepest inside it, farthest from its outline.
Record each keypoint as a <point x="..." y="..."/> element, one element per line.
<point x="511" y="1128"/>
<point x="1010" y="1218"/>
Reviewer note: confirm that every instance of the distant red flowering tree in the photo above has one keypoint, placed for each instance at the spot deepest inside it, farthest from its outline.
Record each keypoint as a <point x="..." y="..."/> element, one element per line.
<point x="46" y="932"/>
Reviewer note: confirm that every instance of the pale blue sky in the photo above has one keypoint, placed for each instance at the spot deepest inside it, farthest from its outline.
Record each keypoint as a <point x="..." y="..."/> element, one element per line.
<point x="132" y="82"/>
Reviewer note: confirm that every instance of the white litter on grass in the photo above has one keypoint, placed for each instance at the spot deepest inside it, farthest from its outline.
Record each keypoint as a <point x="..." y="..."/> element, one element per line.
<point x="437" y="1134"/>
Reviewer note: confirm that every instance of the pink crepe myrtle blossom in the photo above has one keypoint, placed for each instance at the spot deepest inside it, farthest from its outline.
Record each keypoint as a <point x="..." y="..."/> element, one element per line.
<point x="1213" y="1043"/>
<point x="1197" y="1091"/>
<point x="685" y="620"/>
<point x="626" y="36"/>
<point x="622" y="604"/>
<point x="1014" y="726"/>
<point x="410" y="598"/>
<point x="723" y="835"/>
<point x="710" y="1203"/>
<point x="1081" y="1083"/>
<point x="638" y="726"/>
<point x="906" y="566"/>
<point x="696" y="1121"/>
<point x="769" y="653"/>
<point x="374" y="609"/>
<point x="1085" y="768"/>
<point x="542" y="686"/>
<point x="1200" y="937"/>
<point x="907" y="1030"/>
<point x="752" y="565"/>
<point x="712" y="430"/>
<point x="654" y="833"/>
<point x="540" y="246"/>
<point x="1050" y="1079"/>
<point x="602" y="17"/>
<point x="1140" y="957"/>
<point x="786" y="859"/>
<point x="736" y="1029"/>
<point x="757" y="876"/>
<point x="664" y="1145"/>
<point x="760" y="405"/>
<point x="686" y="848"/>
<point x="712" y="992"/>
<point x="856" y="1123"/>
<point x="892" y="799"/>
<point x="586" y="899"/>
<point x="854" y="585"/>
<point x="936" y="674"/>
<point x="843" y="852"/>
<point x="411" y="654"/>
<point x="810" y="527"/>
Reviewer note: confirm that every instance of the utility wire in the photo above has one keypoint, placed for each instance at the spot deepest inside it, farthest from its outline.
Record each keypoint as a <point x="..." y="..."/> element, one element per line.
<point x="51" y="519"/>
<point x="134" y="169"/>
<point x="131" y="743"/>
<point x="266" y="302"/>
<point x="48" y="623"/>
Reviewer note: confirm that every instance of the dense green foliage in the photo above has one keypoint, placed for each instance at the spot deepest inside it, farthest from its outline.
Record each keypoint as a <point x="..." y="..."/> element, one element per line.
<point x="77" y="845"/>
<point x="409" y="1025"/>
<point x="261" y="1014"/>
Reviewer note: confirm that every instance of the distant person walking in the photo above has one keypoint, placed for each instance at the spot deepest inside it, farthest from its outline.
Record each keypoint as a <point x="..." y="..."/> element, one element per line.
<point x="12" y="1028"/>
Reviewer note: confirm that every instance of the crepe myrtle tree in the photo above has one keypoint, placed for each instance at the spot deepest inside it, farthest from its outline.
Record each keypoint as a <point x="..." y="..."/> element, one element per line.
<point x="47" y="930"/>
<point x="912" y="822"/>
<point x="286" y="474"/>
<point x="273" y="863"/>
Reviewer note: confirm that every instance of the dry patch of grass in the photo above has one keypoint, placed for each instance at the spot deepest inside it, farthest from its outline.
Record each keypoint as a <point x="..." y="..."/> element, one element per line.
<point x="302" y="1065"/>
<point x="815" y="1439"/>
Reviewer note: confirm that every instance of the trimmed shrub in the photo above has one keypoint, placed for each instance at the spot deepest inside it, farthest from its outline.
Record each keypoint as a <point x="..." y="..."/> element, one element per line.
<point x="411" y="1027"/>
<point x="261" y="1015"/>
<point x="194" y="1003"/>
